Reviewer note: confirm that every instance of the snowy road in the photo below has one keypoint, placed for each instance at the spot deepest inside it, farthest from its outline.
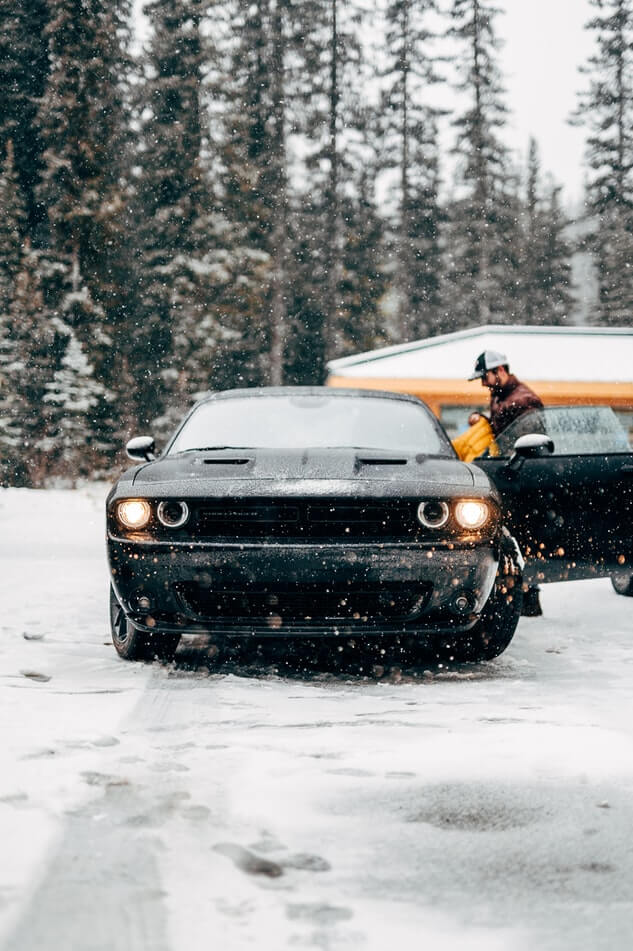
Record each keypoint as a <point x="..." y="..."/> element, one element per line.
<point x="164" y="808"/>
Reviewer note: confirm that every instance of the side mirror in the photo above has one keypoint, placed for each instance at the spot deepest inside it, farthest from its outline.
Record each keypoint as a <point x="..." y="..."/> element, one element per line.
<point x="534" y="444"/>
<point x="141" y="448"/>
<point x="530" y="446"/>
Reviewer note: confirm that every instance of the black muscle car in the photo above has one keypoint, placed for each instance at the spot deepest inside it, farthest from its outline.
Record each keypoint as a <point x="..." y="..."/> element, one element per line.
<point x="288" y="512"/>
<point x="566" y="486"/>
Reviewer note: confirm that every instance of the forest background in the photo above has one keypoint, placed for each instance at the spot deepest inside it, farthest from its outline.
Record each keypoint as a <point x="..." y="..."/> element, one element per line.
<point x="261" y="188"/>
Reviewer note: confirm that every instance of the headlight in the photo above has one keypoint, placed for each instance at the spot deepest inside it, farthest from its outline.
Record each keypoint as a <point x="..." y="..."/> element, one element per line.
<point x="172" y="514"/>
<point x="133" y="513"/>
<point x="471" y="513"/>
<point x="433" y="514"/>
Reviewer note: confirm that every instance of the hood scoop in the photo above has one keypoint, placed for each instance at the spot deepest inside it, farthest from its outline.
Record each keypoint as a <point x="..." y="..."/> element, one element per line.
<point x="380" y="461"/>
<point x="226" y="461"/>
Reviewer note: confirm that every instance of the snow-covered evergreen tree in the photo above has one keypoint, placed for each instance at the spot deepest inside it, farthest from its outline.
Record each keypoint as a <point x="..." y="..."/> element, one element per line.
<point x="24" y="68"/>
<point x="331" y="116"/>
<point x="483" y="234"/>
<point x="12" y="221"/>
<point x="35" y="340"/>
<point x="408" y="124"/>
<point x="544" y="285"/>
<point x="73" y="396"/>
<point x="363" y="278"/>
<point x="361" y="283"/>
<point x="255" y="194"/>
<point x="82" y="121"/>
<point x="12" y="227"/>
<point x="182" y="263"/>
<point x="84" y="187"/>
<point x="606" y="109"/>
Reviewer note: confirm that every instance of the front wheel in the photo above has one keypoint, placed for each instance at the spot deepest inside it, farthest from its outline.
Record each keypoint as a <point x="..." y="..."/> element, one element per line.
<point x="622" y="582"/>
<point x="132" y="644"/>
<point x="498" y="621"/>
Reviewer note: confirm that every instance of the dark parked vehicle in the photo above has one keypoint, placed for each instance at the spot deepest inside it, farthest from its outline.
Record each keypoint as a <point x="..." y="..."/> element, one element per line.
<point x="293" y="512"/>
<point x="313" y="511"/>
<point x="567" y="491"/>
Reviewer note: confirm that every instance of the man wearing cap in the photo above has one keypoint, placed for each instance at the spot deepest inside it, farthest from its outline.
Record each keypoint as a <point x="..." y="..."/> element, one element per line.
<point x="509" y="399"/>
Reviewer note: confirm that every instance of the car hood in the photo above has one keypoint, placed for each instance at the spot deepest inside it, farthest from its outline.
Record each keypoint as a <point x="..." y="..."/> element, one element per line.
<point x="304" y="471"/>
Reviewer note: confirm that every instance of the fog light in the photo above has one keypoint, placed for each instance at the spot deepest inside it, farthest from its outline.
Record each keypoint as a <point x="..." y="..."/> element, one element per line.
<point x="471" y="513"/>
<point x="133" y="513"/>
<point x="463" y="602"/>
<point x="432" y="513"/>
<point x="173" y="514"/>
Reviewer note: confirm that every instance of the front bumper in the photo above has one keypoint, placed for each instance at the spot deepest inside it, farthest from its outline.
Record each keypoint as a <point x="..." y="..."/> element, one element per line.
<point x="186" y="587"/>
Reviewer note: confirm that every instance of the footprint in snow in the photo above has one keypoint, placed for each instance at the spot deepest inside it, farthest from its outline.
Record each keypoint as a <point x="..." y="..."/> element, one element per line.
<point x="197" y="813"/>
<point x="247" y="861"/>
<point x="14" y="799"/>
<point x="36" y="676"/>
<point x="169" y="767"/>
<point x="319" y="914"/>
<point x="307" y="863"/>
<point x="103" y="779"/>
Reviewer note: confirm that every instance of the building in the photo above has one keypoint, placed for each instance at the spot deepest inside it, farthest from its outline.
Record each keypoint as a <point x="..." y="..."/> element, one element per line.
<point x="564" y="365"/>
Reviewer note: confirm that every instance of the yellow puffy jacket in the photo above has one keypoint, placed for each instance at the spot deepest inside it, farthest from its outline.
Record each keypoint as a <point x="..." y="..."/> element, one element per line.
<point x="476" y="440"/>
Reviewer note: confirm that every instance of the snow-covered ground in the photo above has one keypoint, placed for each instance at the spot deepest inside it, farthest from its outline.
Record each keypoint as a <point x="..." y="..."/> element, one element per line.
<point x="172" y="807"/>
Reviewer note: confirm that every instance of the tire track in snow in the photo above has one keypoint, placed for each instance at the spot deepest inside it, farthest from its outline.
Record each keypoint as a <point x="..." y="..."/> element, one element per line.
<point x="101" y="889"/>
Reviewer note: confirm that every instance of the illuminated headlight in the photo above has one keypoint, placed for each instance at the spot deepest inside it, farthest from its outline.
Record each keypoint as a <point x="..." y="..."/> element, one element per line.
<point x="133" y="513"/>
<point x="172" y="514"/>
<point x="471" y="513"/>
<point x="432" y="513"/>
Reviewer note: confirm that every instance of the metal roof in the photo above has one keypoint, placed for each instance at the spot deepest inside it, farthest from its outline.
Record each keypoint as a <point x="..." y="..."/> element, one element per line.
<point x="596" y="354"/>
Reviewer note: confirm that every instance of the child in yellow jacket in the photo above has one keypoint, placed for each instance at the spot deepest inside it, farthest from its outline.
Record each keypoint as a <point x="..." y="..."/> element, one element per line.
<point x="477" y="438"/>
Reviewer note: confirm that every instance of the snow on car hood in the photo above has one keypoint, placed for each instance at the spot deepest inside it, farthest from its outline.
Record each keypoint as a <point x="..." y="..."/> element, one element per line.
<point x="282" y="471"/>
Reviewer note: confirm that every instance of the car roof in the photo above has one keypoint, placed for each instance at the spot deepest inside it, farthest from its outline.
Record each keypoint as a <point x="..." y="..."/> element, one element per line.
<point x="342" y="391"/>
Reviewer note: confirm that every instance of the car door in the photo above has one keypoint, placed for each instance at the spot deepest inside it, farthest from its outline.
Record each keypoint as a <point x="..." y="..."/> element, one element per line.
<point x="571" y="511"/>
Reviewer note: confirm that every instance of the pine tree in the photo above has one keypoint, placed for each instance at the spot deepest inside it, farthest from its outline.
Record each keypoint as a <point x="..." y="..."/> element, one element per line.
<point x="82" y="122"/>
<point x="410" y="150"/>
<point x="364" y="281"/>
<point x="361" y="283"/>
<point x="544" y="266"/>
<point x="482" y="239"/>
<point x="36" y="343"/>
<point x="24" y="67"/>
<point x="242" y="89"/>
<point x="334" y="122"/>
<point x="12" y="226"/>
<point x="606" y="109"/>
<point x="262" y="99"/>
<point x="12" y="219"/>
<point x="182" y="266"/>
<point x="73" y="396"/>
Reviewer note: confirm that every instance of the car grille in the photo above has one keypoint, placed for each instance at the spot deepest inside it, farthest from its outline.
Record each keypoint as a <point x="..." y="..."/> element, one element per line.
<point x="307" y="519"/>
<point x="306" y="603"/>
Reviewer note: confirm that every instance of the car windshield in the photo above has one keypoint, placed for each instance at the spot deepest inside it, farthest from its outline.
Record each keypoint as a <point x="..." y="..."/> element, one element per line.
<point x="312" y="421"/>
<point x="575" y="430"/>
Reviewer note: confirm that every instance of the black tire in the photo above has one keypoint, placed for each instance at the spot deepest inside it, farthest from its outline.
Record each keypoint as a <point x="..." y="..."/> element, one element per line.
<point x="498" y="621"/>
<point x="622" y="583"/>
<point x="132" y="644"/>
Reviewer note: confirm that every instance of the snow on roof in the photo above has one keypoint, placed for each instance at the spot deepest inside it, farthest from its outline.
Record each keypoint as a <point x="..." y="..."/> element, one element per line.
<point x="586" y="354"/>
